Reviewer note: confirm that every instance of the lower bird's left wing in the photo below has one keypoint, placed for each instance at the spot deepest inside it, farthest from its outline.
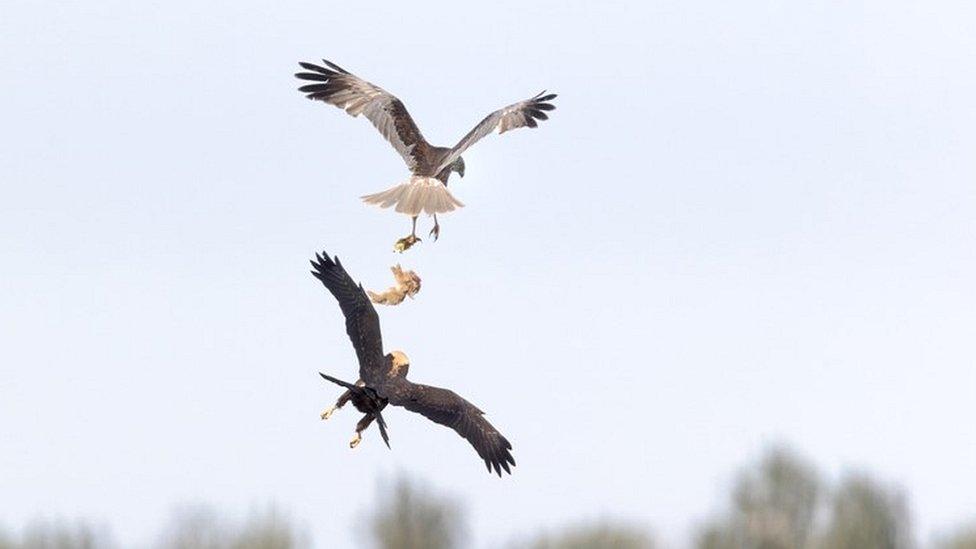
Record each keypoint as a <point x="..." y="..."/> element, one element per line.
<point x="362" y="322"/>
<point x="447" y="408"/>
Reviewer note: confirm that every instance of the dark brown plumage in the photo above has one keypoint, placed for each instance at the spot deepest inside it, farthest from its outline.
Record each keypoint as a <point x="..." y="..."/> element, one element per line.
<point x="383" y="377"/>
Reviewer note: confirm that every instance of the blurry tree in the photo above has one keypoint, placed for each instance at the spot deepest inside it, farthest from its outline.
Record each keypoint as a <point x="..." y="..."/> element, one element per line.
<point x="6" y="540"/>
<point x="718" y="535"/>
<point x="409" y="518"/>
<point x="866" y="514"/>
<point x="596" y="536"/>
<point x="192" y="528"/>
<point x="202" y="528"/>
<point x="269" y="530"/>
<point x="964" y="538"/>
<point x="45" y="534"/>
<point x="773" y="506"/>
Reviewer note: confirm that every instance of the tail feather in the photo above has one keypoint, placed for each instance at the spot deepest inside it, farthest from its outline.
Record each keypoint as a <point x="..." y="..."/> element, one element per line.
<point x="350" y="386"/>
<point x="382" y="425"/>
<point x="419" y="195"/>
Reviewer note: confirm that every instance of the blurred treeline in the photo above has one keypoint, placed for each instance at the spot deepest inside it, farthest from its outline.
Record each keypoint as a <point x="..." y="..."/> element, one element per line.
<point x="779" y="502"/>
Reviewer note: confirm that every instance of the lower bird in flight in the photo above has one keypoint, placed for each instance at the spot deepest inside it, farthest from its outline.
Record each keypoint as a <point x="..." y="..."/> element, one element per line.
<point x="383" y="378"/>
<point x="430" y="166"/>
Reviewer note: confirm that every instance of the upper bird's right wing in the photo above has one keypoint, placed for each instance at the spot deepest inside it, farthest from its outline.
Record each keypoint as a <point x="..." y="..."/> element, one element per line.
<point x="447" y="408"/>
<point x="517" y="115"/>
<point x="336" y="86"/>
<point x="362" y="322"/>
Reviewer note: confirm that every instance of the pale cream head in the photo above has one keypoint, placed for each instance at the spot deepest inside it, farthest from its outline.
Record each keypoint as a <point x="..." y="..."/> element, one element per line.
<point x="399" y="358"/>
<point x="401" y="364"/>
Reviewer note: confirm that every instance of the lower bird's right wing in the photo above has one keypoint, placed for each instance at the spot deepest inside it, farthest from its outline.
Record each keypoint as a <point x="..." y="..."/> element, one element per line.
<point x="447" y="408"/>
<point x="362" y="322"/>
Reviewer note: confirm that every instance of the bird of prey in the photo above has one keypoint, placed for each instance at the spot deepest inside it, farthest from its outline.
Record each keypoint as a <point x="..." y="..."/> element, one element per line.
<point x="430" y="166"/>
<point x="383" y="378"/>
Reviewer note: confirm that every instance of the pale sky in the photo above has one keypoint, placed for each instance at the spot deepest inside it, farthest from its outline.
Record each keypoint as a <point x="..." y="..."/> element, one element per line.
<point x="746" y="222"/>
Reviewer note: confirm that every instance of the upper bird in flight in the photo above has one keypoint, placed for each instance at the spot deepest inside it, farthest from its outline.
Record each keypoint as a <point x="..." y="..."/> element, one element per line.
<point x="430" y="166"/>
<point x="383" y="378"/>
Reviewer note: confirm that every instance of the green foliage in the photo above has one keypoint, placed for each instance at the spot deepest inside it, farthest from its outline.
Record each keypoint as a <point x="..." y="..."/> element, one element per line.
<point x="776" y="503"/>
<point x="202" y="528"/>
<point x="716" y="536"/>
<point x="6" y="540"/>
<point x="269" y="531"/>
<point x="596" y="536"/>
<point x="779" y="502"/>
<point x="57" y="534"/>
<point x="192" y="528"/>
<point x="410" y="518"/>
<point x="773" y="506"/>
<point x="963" y="538"/>
<point x="866" y="514"/>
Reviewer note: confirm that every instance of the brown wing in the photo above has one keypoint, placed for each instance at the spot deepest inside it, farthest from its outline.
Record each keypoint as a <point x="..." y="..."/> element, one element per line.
<point x="447" y="408"/>
<point x="517" y="115"/>
<point x="362" y="322"/>
<point x="356" y="96"/>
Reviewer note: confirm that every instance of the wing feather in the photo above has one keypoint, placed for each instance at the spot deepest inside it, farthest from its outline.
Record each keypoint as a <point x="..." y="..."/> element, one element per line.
<point x="362" y="322"/>
<point x="447" y="408"/>
<point x="517" y="115"/>
<point x="356" y="96"/>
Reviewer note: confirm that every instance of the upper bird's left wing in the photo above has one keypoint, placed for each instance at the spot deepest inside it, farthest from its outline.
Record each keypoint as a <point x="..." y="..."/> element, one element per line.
<point x="337" y="86"/>
<point x="517" y="115"/>
<point x="362" y="322"/>
<point x="447" y="408"/>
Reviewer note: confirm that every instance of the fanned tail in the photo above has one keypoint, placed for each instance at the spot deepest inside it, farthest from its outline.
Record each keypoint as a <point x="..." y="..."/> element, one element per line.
<point x="419" y="195"/>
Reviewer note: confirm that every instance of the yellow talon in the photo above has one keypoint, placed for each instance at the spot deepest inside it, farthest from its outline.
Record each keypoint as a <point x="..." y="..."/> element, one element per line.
<point x="405" y="243"/>
<point x="328" y="412"/>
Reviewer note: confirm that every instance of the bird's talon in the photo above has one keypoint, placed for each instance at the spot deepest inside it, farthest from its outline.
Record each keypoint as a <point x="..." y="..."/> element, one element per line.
<point x="355" y="440"/>
<point x="405" y="243"/>
<point x="328" y="412"/>
<point x="435" y="232"/>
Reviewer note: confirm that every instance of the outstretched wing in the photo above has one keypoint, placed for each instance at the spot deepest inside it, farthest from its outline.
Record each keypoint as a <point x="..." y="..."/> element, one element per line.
<point x="362" y="322"/>
<point x="447" y="408"/>
<point x="516" y="115"/>
<point x="356" y="96"/>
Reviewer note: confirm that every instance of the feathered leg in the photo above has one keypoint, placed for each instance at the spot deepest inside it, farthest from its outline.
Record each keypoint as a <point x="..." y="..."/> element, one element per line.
<point x="436" y="231"/>
<point x="364" y="424"/>
<point x="346" y="396"/>
<point x="360" y="427"/>
<point x="404" y="243"/>
<point x="367" y="419"/>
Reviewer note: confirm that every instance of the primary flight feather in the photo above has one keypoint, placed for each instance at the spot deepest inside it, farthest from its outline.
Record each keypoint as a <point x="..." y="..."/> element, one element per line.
<point x="383" y="377"/>
<point x="430" y="166"/>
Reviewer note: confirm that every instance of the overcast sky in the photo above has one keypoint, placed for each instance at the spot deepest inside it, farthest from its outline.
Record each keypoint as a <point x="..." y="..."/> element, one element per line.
<point x="746" y="222"/>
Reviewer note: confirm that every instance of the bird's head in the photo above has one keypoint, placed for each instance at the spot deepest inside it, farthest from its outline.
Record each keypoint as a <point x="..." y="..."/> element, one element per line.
<point x="458" y="166"/>
<point x="399" y="364"/>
